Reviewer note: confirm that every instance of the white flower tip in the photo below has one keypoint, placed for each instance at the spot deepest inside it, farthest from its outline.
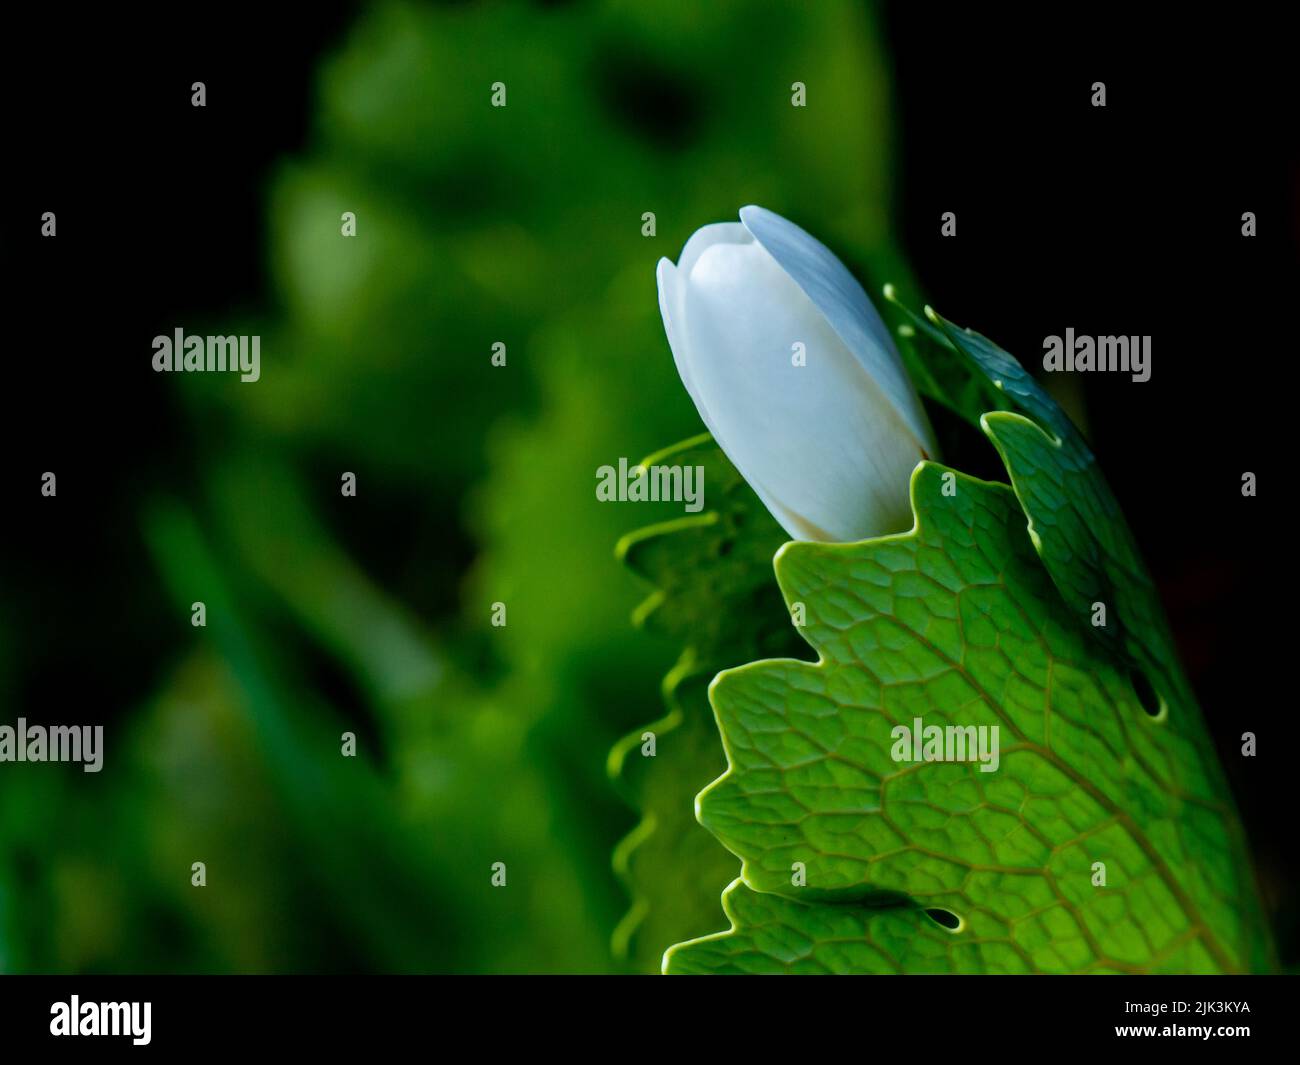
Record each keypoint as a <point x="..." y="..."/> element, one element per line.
<point x="665" y="280"/>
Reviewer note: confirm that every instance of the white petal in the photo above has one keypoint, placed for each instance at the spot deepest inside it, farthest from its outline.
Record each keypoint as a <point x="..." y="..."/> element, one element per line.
<point x="671" y="281"/>
<point x="670" y="309"/>
<point x="706" y="237"/>
<point x="822" y="444"/>
<point x="839" y="297"/>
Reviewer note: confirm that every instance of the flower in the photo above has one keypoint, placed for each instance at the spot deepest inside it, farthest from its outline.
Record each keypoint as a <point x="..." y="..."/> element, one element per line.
<point x="796" y="376"/>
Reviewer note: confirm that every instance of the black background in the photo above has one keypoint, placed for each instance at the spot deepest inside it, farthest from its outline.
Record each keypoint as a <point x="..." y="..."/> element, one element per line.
<point x="1124" y="219"/>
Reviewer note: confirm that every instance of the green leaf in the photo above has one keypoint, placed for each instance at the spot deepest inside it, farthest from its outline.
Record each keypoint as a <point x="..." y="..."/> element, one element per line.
<point x="958" y="623"/>
<point x="938" y="369"/>
<point x="1074" y="519"/>
<point x="773" y="935"/>
<point x="714" y="595"/>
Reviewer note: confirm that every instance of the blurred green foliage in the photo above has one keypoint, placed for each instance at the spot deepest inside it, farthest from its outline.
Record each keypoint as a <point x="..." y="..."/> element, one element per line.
<point x="475" y="485"/>
<point x="714" y="595"/>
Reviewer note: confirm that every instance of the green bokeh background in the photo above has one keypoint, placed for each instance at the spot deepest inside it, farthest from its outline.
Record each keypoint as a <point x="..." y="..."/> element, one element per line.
<point x="476" y="483"/>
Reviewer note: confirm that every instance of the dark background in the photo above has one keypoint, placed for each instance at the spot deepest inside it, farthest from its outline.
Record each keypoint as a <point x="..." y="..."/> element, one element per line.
<point x="1117" y="220"/>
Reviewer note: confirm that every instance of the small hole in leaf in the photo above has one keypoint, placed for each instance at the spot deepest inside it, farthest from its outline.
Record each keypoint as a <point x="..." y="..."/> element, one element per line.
<point x="947" y="918"/>
<point x="1151" y="702"/>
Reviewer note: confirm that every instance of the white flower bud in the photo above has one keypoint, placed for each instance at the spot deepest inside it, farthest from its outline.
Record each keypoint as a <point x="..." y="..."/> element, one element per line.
<point x="827" y="436"/>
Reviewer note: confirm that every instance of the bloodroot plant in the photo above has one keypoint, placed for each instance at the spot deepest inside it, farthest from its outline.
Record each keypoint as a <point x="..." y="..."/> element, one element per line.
<point x="994" y="763"/>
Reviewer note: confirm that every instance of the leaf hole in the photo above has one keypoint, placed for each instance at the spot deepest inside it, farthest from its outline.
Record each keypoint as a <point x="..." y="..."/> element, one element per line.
<point x="1147" y="695"/>
<point x="945" y="919"/>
